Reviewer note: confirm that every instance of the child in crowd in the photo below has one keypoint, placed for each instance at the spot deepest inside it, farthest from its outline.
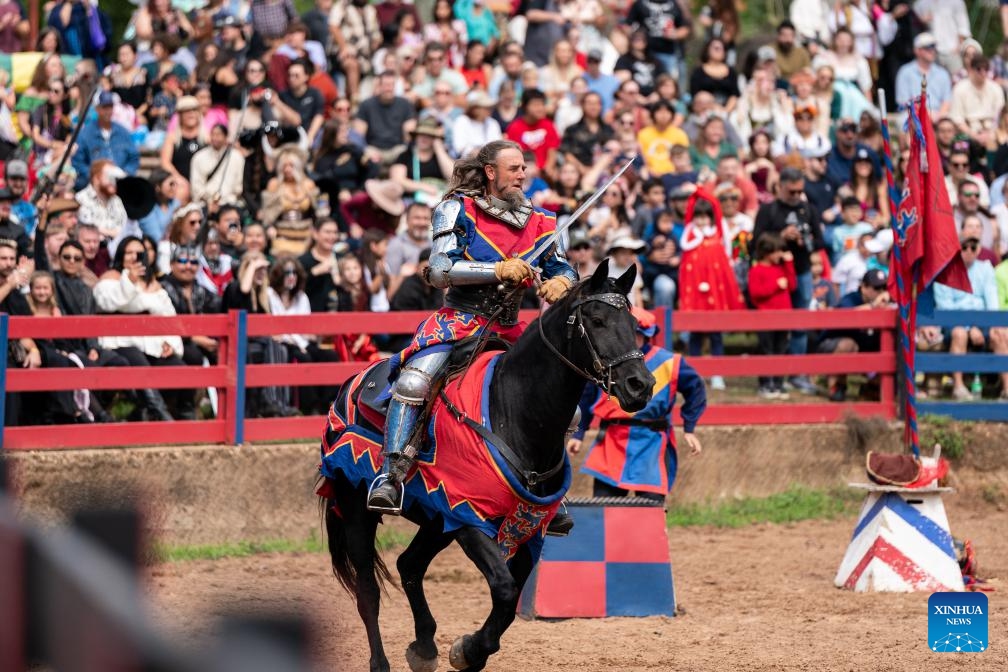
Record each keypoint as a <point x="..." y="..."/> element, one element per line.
<point x="771" y="280"/>
<point x="852" y="266"/>
<point x="707" y="281"/>
<point x="851" y="228"/>
<point x="824" y="295"/>
<point x="42" y="295"/>
<point x="661" y="264"/>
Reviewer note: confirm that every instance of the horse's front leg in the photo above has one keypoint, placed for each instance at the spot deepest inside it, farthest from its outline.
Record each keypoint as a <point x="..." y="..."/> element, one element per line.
<point x="422" y="653"/>
<point x="470" y="652"/>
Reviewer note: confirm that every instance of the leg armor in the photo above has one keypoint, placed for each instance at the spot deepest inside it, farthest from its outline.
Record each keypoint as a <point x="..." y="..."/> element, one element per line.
<point x="409" y="397"/>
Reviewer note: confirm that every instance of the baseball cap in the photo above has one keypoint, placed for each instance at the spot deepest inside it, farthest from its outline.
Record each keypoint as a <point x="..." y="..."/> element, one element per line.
<point x="106" y="99"/>
<point x="647" y="325"/>
<point x="595" y="55"/>
<point x="881" y="243"/>
<point x="863" y="155"/>
<point x="924" y="40"/>
<point x="186" y="104"/>
<point x="16" y="168"/>
<point x="875" y="279"/>
<point x="626" y="243"/>
<point x="766" y="53"/>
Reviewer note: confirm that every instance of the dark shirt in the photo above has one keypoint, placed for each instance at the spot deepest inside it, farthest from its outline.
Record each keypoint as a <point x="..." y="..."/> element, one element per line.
<point x="722" y="89"/>
<point x="341" y="168"/>
<point x="235" y="299"/>
<point x="15" y="304"/>
<point x="317" y="287"/>
<point x="100" y="263"/>
<point x="541" y="37"/>
<point x="581" y="141"/>
<point x="643" y="72"/>
<point x="420" y="170"/>
<point x="202" y="301"/>
<point x="416" y="294"/>
<point x="12" y="231"/>
<point x="838" y="167"/>
<point x="309" y="105"/>
<point x="385" y="121"/>
<point x="777" y="216"/>
<point x="822" y="193"/>
<point x="653" y="16"/>
<point x="868" y="340"/>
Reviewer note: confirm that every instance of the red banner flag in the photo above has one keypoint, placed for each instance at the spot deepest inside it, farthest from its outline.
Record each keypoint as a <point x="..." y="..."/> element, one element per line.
<point x="925" y="213"/>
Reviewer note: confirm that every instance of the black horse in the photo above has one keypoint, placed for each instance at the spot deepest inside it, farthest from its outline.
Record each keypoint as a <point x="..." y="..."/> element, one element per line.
<point x="536" y="386"/>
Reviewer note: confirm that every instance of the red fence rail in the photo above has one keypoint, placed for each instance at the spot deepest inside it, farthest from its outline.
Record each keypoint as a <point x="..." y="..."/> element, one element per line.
<point x="231" y="376"/>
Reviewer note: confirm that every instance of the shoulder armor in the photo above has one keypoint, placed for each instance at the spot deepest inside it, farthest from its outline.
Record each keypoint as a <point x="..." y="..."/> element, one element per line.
<point x="445" y="215"/>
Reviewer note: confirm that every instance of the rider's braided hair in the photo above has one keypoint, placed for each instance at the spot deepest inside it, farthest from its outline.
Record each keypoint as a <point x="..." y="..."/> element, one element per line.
<point x="468" y="177"/>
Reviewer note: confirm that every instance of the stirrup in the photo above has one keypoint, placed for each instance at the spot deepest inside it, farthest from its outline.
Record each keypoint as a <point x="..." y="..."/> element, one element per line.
<point x="563" y="529"/>
<point x="380" y="479"/>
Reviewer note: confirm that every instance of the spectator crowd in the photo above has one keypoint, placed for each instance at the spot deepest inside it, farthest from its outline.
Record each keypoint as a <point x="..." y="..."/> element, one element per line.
<point x="242" y="155"/>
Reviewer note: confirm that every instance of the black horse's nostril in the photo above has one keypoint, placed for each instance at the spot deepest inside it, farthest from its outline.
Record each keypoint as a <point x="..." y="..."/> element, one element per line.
<point x="637" y="384"/>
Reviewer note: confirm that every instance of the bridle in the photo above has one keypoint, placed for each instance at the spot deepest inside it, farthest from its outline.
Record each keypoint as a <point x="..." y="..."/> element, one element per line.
<point x="575" y="323"/>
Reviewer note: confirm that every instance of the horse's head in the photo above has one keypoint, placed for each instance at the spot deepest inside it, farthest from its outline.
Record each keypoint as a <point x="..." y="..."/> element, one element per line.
<point x="602" y="337"/>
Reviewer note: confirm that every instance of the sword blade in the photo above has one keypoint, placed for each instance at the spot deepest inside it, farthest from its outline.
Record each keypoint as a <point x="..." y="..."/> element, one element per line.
<point x="555" y="236"/>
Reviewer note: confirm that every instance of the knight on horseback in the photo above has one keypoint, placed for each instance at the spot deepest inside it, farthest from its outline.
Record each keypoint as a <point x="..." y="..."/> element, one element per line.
<point x="484" y="234"/>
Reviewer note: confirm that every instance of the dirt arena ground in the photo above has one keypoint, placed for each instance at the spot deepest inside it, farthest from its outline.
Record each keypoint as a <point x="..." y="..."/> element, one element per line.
<point x="759" y="598"/>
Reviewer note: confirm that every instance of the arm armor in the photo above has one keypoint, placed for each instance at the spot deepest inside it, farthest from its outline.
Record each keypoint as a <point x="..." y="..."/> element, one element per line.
<point x="444" y="271"/>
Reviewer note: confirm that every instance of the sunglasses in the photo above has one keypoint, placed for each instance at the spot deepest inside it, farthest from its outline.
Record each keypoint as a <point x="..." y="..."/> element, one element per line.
<point x="290" y="271"/>
<point x="60" y="91"/>
<point x="847" y="128"/>
<point x="971" y="247"/>
<point x="959" y="164"/>
<point x="73" y="258"/>
<point x="730" y="198"/>
<point x="187" y="261"/>
<point x="795" y="192"/>
<point x="803" y="117"/>
<point x="970" y="194"/>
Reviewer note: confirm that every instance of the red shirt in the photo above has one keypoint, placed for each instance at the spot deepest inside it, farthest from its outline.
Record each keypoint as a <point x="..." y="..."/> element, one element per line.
<point x="539" y="138"/>
<point x="764" y="290"/>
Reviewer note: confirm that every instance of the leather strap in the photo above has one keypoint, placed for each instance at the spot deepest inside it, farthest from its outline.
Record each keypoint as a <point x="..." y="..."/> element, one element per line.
<point x="529" y="478"/>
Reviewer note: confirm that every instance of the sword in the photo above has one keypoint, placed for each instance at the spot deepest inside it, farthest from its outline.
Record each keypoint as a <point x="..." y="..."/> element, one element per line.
<point x="555" y="236"/>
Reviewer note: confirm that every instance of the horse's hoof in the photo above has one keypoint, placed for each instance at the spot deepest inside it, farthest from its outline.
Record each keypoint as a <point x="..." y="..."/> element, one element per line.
<point x="457" y="656"/>
<point x="418" y="663"/>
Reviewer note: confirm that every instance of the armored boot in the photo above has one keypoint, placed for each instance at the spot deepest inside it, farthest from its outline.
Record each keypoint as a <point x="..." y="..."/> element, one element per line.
<point x="387" y="490"/>
<point x="406" y="409"/>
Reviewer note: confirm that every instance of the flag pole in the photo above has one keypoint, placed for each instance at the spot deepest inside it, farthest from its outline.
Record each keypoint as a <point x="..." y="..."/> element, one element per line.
<point x="904" y="298"/>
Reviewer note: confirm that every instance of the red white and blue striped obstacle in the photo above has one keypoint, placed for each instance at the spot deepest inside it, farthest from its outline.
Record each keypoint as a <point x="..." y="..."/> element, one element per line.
<point x="901" y="543"/>
<point x="615" y="562"/>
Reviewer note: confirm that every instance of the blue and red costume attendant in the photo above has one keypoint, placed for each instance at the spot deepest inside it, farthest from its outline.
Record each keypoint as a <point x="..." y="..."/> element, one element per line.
<point x="637" y="451"/>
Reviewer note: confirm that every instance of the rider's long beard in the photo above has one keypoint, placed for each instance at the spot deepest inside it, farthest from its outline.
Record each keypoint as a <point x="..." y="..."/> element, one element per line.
<point x="513" y="196"/>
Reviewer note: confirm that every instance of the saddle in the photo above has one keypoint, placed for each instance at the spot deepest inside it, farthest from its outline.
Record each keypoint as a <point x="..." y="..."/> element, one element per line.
<point x="375" y="390"/>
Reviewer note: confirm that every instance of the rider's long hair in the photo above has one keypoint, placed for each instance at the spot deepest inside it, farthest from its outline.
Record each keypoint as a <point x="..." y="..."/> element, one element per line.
<point x="468" y="177"/>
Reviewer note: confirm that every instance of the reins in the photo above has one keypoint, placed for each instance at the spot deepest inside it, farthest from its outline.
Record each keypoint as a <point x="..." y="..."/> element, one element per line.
<point x="575" y="321"/>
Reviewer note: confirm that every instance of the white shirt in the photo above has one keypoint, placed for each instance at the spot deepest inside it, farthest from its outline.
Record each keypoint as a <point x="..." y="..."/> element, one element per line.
<point x="228" y="181"/>
<point x="299" y="306"/>
<point x="468" y="134"/>
<point x="849" y="272"/>
<point x="122" y="296"/>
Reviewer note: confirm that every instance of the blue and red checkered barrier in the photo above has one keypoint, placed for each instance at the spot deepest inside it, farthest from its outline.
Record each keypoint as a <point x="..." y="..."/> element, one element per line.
<point x="615" y="562"/>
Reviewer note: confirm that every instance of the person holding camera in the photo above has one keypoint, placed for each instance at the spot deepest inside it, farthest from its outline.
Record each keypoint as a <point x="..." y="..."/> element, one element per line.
<point x="798" y="223"/>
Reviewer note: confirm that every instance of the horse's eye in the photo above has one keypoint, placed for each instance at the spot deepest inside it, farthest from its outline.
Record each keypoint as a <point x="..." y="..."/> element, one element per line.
<point x="598" y="322"/>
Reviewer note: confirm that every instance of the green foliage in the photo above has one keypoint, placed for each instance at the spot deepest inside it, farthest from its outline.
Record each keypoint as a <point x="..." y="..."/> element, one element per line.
<point x="387" y="540"/>
<point x="942" y="430"/>
<point x="795" y="503"/>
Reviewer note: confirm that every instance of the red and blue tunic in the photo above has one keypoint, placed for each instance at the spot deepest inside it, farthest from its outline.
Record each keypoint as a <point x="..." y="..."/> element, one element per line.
<point x="637" y="451"/>
<point x="482" y="237"/>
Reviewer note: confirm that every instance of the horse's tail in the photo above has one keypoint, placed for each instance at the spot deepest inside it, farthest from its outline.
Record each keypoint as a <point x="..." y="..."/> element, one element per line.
<point x="344" y="568"/>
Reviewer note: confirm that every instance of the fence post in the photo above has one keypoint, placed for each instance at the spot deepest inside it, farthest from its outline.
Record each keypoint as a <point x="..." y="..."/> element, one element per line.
<point x="887" y="384"/>
<point x="3" y="376"/>
<point x="667" y="327"/>
<point x="237" y="354"/>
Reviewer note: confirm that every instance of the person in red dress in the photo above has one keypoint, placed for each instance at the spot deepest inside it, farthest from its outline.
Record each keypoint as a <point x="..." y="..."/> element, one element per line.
<point x="706" y="278"/>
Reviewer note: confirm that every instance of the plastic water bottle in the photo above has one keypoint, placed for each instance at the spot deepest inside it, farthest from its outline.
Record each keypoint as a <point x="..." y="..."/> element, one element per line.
<point x="976" y="387"/>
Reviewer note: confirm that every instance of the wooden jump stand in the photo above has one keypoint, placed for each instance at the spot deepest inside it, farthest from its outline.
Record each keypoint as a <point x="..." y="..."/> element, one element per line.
<point x="901" y="542"/>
